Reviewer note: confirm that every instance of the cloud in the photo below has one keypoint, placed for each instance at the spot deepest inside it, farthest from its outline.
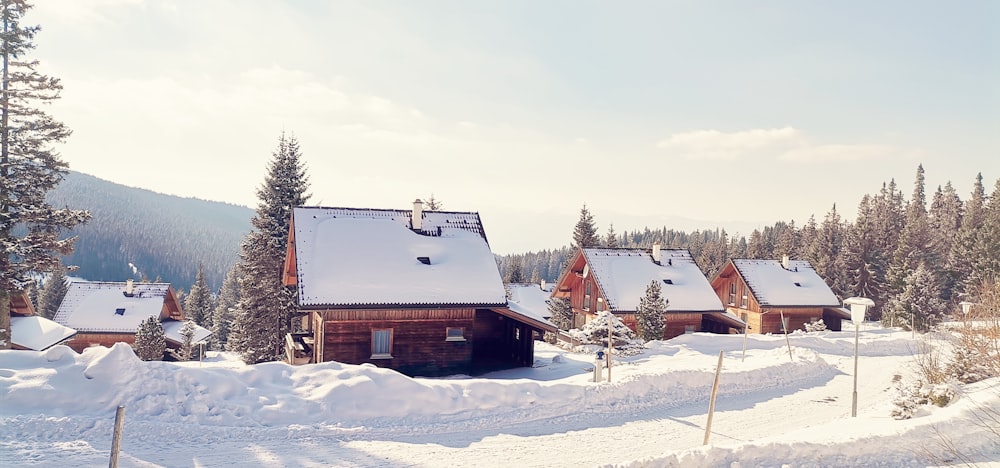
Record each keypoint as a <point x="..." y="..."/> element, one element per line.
<point x="716" y="145"/>
<point x="834" y="153"/>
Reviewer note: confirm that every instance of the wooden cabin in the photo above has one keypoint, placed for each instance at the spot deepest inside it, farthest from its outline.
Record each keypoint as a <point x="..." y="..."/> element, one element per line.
<point x="616" y="280"/>
<point x="105" y="313"/>
<point x="761" y="292"/>
<point x="30" y="331"/>
<point x="416" y="291"/>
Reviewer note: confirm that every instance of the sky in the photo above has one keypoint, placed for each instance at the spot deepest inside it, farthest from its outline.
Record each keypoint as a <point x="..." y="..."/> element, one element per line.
<point x="689" y="115"/>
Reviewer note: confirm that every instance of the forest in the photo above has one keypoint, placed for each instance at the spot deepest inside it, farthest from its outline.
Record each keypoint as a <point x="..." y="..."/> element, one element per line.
<point x="894" y="247"/>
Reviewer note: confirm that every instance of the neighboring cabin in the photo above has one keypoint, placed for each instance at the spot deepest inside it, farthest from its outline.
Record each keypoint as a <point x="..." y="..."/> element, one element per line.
<point x="33" y="332"/>
<point x="105" y="313"/>
<point x="415" y="291"/>
<point x="599" y="279"/>
<point x="761" y="291"/>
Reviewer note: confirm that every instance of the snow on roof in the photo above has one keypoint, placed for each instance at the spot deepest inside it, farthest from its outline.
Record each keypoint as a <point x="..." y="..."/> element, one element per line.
<point x="774" y="285"/>
<point x="37" y="333"/>
<point x="103" y="306"/>
<point x="624" y="274"/>
<point x="530" y="299"/>
<point x="367" y="257"/>
<point x="172" y="331"/>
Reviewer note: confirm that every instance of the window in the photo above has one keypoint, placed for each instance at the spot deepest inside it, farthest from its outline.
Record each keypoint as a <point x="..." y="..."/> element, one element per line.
<point x="382" y="343"/>
<point x="586" y="297"/>
<point x="454" y="334"/>
<point x="745" y="299"/>
<point x="732" y="293"/>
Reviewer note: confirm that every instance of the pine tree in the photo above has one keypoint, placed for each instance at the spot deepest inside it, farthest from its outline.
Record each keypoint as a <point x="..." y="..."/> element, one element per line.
<point x="186" y="351"/>
<point x="963" y="250"/>
<point x="651" y="316"/>
<point x="945" y="220"/>
<point x="826" y="253"/>
<point x="433" y="204"/>
<point x="562" y="313"/>
<point x="585" y="231"/>
<point x="198" y="304"/>
<point x="263" y="315"/>
<point x="914" y="241"/>
<point x="52" y="293"/>
<point x="150" y="342"/>
<point x="29" y="167"/>
<point x="986" y="251"/>
<point x="611" y="238"/>
<point x="515" y="270"/>
<point x="864" y="261"/>
<point x="918" y="307"/>
<point x="226" y="302"/>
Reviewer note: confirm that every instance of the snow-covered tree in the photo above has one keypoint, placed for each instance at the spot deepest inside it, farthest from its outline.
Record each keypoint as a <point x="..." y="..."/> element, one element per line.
<point x="562" y="313"/>
<point x="611" y="238"/>
<point x="944" y="221"/>
<point x="963" y="250"/>
<point x="585" y="231"/>
<point x="186" y="350"/>
<point x="651" y="316"/>
<point x="51" y="294"/>
<point x="986" y="251"/>
<point x="623" y="339"/>
<point x="433" y="204"/>
<point x="515" y="270"/>
<point x="150" y="342"/>
<point x="919" y="307"/>
<point x="198" y="304"/>
<point x="263" y="314"/>
<point x="29" y="166"/>
<point x="225" y="303"/>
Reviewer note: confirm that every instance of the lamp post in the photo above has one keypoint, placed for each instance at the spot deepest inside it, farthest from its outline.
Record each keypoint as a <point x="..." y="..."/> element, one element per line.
<point x="859" y="306"/>
<point x="966" y="308"/>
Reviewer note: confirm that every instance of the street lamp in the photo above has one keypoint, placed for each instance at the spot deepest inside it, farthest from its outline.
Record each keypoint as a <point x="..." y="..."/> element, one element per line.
<point x="859" y="306"/>
<point x="966" y="308"/>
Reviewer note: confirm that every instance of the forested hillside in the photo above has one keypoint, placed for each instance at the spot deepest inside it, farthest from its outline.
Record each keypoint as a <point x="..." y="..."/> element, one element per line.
<point x="894" y="248"/>
<point x="160" y="235"/>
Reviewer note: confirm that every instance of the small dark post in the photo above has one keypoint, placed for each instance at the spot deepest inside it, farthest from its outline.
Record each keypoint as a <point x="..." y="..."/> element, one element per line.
<point x="116" y="441"/>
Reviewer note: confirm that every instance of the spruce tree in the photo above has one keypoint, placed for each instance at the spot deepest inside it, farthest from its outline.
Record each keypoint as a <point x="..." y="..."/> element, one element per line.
<point x="864" y="260"/>
<point x="611" y="238"/>
<point x="433" y="204"/>
<point x="963" y="250"/>
<point x="986" y="251"/>
<point x="186" y="350"/>
<point x="29" y="166"/>
<point x="585" y="231"/>
<point x="515" y="270"/>
<point x="945" y="220"/>
<point x="561" y="312"/>
<point x="198" y="304"/>
<point x="918" y="306"/>
<point x="651" y="316"/>
<point x="150" y="342"/>
<point x="52" y="293"/>
<point x="226" y="302"/>
<point x="264" y="313"/>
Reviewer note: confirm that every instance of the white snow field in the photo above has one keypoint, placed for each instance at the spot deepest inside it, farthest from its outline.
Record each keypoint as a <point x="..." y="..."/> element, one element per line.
<point x="57" y="408"/>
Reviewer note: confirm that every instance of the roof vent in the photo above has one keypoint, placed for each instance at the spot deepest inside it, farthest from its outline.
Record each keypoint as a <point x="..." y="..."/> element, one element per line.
<point x="424" y="260"/>
<point x="120" y="311"/>
<point x="798" y="284"/>
<point x="417" y="218"/>
<point x="668" y="281"/>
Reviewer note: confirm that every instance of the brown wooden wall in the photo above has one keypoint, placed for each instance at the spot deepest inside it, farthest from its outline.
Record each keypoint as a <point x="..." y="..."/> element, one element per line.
<point x="770" y="322"/>
<point x="419" y="346"/>
<point x="84" y="340"/>
<point x="677" y="323"/>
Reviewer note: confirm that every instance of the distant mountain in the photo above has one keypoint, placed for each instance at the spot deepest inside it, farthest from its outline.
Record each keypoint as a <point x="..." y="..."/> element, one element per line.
<point x="160" y="235"/>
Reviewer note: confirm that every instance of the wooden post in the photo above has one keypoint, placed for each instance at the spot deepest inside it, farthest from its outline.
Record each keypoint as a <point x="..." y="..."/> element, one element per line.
<point x="711" y="404"/>
<point x="116" y="441"/>
<point x="785" y="329"/>
<point x="854" y="395"/>
<point x="746" y="328"/>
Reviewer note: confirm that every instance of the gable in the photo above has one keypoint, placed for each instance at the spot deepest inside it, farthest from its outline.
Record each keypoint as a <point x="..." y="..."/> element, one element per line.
<point x="347" y="257"/>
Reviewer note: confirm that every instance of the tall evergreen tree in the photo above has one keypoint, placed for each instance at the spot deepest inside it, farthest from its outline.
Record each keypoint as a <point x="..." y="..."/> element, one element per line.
<point x="963" y="250"/>
<point x="917" y="307"/>
<point x="225" y="303"/>
<point x="651" y="316"/>
<point x="186" y="350"/>
<point x="914" y="243"/>
<point x="585" y="231"/>
<point x="944" y="221"/>
<point x="515" y="270"/>
<point x="264" y="313"/>
<point x="611" y="238"/>
<point x="864" y="260"/>
<point x="150" y="342"/>
<point x="561" y="312"/>
<point x="826" y="253"/>
<point x="29" y="167"/>
<point x="986" y="253"/>
<point x="198" y="304"/>
<point x="52" y="293"/>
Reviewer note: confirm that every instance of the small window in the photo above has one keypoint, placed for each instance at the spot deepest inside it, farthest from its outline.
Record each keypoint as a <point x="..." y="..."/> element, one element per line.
<point x="120" y="311"/>
<point x="424" y="260"/>
<point x="745" y="299"/>
<point x="382" y="343"/>
<point x="798" y="284"/>
<point x="455" y="334"/>
<point x="586" y="297"/>
<point x="732" y="293"/>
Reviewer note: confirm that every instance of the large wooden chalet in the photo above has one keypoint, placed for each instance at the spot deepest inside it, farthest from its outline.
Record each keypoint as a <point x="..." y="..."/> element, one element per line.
<point x="416" y="291"/>
<point x="105" y="313"/>
<point x="33" y="332"/>
<point x="761" y="292"/>
<point x="600" y="279"/>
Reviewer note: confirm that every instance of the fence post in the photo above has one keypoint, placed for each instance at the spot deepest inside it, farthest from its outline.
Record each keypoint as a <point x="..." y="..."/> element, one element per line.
<point x="116" y="441"/>
<point x="711" y="404"/>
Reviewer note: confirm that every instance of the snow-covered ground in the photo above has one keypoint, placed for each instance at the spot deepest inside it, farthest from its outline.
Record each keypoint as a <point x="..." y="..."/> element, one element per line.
<point x="57" y="408"/>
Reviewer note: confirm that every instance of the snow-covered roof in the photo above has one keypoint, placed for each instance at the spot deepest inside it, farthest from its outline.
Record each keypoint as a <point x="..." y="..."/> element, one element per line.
<point x="624" y="274"/>
<point x="774" y="285"/>
<point x="530" y="299"/>
<point x="172" y="332"/>
<point x="347" y="257"/>
<point x="37" y="333"/>
<point x="104" y="307"/>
